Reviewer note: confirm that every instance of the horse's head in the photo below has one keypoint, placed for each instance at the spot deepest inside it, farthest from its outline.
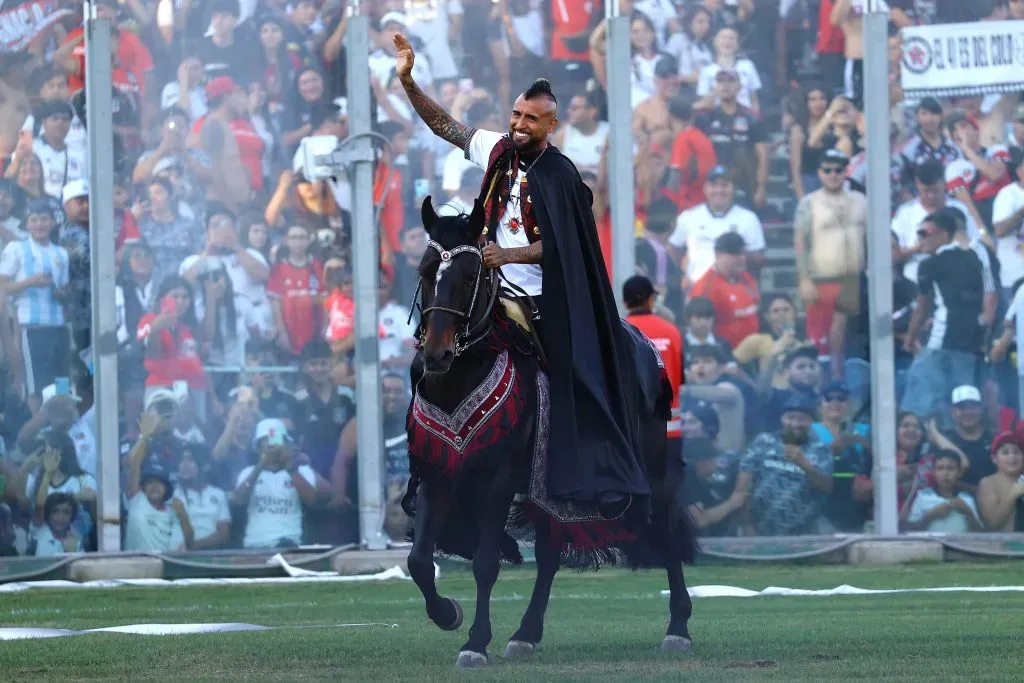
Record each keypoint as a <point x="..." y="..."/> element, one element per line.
<point x="452" y="278"/>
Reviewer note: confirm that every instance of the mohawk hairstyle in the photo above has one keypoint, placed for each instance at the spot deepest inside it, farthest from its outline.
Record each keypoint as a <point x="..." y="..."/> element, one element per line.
<point x="540" y="88"/>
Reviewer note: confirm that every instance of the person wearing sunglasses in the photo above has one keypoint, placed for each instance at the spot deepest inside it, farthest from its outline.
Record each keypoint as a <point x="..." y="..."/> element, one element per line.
<point x="847" y="506"/>
<point x="830" y="226"/>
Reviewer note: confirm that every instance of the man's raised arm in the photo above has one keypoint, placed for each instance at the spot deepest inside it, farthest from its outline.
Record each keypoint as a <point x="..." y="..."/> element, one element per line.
<point x="437" y="119"/>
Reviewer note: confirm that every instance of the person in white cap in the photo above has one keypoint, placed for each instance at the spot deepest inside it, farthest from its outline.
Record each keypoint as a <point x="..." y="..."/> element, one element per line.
<point x="74" y="237"/>
<point x="275" y="490"/>
<point x="970" y="435"/>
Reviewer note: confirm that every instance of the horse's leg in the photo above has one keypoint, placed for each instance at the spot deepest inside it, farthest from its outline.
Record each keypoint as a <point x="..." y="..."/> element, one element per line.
<point x="445" y="612"/>
<point x="677" y="637"/>
<point x="525" y="641"/>
<point x="486" y="565"/>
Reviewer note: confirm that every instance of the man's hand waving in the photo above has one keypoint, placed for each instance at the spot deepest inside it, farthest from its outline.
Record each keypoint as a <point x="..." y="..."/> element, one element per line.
<point x="406" y="57"/>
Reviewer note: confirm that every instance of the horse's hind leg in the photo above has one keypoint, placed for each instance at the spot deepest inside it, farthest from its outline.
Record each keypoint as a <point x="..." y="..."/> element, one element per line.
<point x="677" y="637"/>
<point x="445" y="612"/>
<point x="524" y="642"/>
<point x="486" y="565"/>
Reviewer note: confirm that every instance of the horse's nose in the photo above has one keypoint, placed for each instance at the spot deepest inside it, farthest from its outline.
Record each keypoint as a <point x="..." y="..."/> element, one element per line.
<point x="439" y="361"/>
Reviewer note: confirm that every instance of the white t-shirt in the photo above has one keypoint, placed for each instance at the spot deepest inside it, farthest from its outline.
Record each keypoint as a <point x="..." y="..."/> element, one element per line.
<point x="47" y="545"/>
<point x="71" y="486"/>
<point x="206" y="508"/>
<point x="750" y="81"/>
<point x="60" y="167"/>
<point x="85" y="445"/>
<point x="430" y="24"/>
<point x="585" y="150"/>
<point x="275" y="509"/>
<point x="77" y="139"/>
<point x="691" y="56"/>
<point x="152" y="529"/>
<point x="1008" y="202"/>
<point x="527" y="276"/>
<point x="908" y="220"/>
<point x="954" y="523"/>
<point x="698" y="228"/>
<point x="256" y="309"/>
<point x="660" y="12"/>
<point x="170" y="96"/>
<point x="455" y="163"/>
<point x="382" y="64"/>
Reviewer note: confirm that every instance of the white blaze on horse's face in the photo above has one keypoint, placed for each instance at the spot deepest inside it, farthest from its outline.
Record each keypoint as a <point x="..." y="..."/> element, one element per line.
<point x="441" y="269"/>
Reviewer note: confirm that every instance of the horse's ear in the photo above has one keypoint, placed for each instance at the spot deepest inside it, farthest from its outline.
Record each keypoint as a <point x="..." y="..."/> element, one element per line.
<point x="428" y="215"/>
<point x="477" y="218"/>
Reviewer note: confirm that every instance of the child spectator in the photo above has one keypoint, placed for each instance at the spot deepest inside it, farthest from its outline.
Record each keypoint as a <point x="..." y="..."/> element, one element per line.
<point x="157" y="521"/>
<point x="699" y="325"/>
<point x="275" y="491"/>
<point x="1001" y="495"/>
<point x="705" y="382"/>
<point x="52" y="532"/>
<point x="207" y="505"/>
<point x="57" y="471"/>
<point x="731" y="290"/>
<point x="942" y="509"/>
<point x="34" y="273"/>
<point x="296" y="283"/>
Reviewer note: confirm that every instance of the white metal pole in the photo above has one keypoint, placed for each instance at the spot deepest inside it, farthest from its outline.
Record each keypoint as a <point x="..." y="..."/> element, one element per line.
<point x="98" y="86"/>
<point x="366" y="271"/>
<point x="883" y="372"/>
<point x="621" y="181"/>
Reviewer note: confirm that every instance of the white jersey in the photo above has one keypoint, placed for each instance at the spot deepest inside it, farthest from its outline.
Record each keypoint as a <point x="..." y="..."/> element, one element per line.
<point x="206" y="508"/>
<point x="697" y="229"/>
<point x="585" y="150"/>
<point x="954" y="523"/>
<point x="60" y="167"/>
<point x="1009" y="201"/>
<point x="48" y="546"/>
<point x="275" y="509"/>
<point x="750" y="81"/>
<point x="152" y="529"/>
<point x="77" y="140"/>
<point x="527" y="276"/>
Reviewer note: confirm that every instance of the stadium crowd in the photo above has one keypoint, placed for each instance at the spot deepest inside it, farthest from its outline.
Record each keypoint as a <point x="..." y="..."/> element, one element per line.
<point x="234" y="293"/>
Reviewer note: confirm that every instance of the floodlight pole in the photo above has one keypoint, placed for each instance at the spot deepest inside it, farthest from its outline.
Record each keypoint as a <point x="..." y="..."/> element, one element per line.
<point x="620" y="148"/>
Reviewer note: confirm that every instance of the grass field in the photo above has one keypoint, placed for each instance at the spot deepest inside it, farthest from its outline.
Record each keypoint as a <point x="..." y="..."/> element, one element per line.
<point x="601" y="627"/>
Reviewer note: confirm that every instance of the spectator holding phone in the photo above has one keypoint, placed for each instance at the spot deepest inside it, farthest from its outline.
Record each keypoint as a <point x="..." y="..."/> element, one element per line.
<point x="34" y="274"/>
<point x="172" y="353"/>
<point x="276" y="491"/>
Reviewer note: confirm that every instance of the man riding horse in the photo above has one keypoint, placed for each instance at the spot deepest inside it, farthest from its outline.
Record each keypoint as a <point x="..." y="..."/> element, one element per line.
<point x="540" y="233"/>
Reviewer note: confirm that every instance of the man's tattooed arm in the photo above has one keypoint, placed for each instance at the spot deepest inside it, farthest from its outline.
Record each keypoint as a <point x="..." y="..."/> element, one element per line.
<point x="527" y="255"/>
<point x="437" y="119"/>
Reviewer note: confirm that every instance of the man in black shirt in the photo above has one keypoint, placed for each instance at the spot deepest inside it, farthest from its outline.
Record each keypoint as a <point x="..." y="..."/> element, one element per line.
<point x="951" y="292"/>
<point x="739" y="138"/>
<point x="709" y="487"/>
<point x="229" y="51"/>
<point x="970" y="435"/>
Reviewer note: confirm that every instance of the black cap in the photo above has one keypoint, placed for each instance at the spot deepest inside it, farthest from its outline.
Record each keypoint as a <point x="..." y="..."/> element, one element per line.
<point x="833" y="156"/>
<point x="834" y="388"/>
<point x="805" y="351"/>
<point x="154" y="470"/>
<point x="798" y="403"/>
<point x="727" y="74"/>
<point x="698" y="448"/>
<point x="666" y="67"/>
<point x="637" y="290"/>
<point x="730" y="243"/>
<point x="705" y="414"/>
<point x="719" y="172"/>
<point x="930" y="104"/>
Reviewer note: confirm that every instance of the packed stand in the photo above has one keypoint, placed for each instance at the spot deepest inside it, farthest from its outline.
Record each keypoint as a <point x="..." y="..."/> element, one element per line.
<point x="234" y="292"/>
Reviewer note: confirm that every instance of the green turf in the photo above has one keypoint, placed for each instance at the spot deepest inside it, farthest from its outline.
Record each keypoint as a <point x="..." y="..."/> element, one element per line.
<point x="601" y="627"/>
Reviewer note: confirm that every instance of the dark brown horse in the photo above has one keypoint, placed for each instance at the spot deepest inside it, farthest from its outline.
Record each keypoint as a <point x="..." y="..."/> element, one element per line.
<point x="478" y="433"/>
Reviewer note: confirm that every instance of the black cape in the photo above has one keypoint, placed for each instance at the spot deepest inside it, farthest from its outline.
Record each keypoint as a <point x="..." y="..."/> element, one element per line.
<point x="594" y="444"/>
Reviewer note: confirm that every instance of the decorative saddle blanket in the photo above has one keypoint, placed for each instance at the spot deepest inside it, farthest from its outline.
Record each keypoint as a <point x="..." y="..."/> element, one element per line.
<point x="486" y="416"/>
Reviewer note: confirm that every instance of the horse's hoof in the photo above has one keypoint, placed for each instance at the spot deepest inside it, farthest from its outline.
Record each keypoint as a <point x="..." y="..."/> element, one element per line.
<point x="519" y="651"/>
<point x="470" y="660"/>
<point x="676" y="644"/>
<point x="456" y="623"/>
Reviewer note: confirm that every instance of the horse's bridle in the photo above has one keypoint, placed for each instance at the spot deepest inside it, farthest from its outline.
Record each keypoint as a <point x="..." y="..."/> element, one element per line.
<point x="471" y="333"/>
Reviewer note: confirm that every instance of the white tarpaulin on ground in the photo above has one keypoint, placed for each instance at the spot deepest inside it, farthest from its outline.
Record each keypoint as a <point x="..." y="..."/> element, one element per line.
<point x="734" y="592"/>
<point x="162" y="630"/>
<point x="951" y="60"/>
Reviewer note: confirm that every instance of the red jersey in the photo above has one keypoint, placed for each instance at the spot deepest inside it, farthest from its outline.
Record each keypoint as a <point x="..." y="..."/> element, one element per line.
<point x="179" y="356"/>
<point x="133" y="61"/>
<point x="571" y="18"/>
<point x="298" y="288"/>
<point x="735" y="304"/>
<point x="669" y="341"/>
<point x="250" y="148"/>
<point x="830" y="38"/>
<point x="392" y="214"/>
<point x="693" y="156"/>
